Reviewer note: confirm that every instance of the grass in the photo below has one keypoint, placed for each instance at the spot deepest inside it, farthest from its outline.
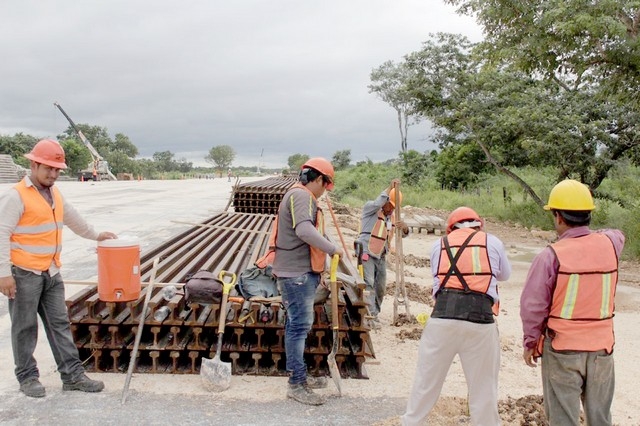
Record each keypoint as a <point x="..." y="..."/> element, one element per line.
<point x="500" y="198"/>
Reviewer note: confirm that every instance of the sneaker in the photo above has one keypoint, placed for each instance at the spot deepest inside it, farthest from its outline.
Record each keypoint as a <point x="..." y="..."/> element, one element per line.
<point x="316" y="382"/>
<point x="32" y="387"/>
<point x="83" y="384"/>
<point x="304" y="395"/>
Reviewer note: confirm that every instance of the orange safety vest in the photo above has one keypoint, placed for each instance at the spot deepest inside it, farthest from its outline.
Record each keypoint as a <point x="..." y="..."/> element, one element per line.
<point x="36" y="240"/>
<point x="379" y="236"/>
<point x="582" y="304"/>
<point x="473" y="263"/>
<point x="317" y="256"/>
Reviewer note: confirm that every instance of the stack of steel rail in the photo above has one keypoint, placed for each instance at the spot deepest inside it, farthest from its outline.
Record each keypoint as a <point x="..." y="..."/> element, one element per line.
<point x="262" y="197"/>
<point x="253" y="341"/>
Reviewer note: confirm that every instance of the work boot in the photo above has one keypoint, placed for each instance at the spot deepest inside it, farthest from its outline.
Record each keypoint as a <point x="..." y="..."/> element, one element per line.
<point x="32" y="387"/>
<point x="304" y="395"/>
<point x="316" y="382"/>
<point x="83" y="384"/>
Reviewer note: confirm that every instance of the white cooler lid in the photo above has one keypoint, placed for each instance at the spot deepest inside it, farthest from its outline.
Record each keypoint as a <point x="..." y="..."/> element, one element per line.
<point x="119" y="242"/>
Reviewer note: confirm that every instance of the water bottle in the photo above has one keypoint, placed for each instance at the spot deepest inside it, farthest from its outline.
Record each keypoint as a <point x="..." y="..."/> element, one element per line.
<point x="168" y="292"/>
<point x="161" y="314"/>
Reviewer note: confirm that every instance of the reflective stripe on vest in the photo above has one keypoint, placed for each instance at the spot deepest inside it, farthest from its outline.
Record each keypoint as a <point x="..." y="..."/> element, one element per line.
<point x="379" y="236"/>
<point x="317" y="256"/>
<point x="582" y="305"/>
<point x="473" y="264"/>
<point x="36" y="241"/>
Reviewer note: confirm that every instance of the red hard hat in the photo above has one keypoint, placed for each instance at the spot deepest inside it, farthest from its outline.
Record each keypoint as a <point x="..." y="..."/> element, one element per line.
<point x="323" y="166"/>
<point x="463" y="214"/>
<point x="49" y="152"/>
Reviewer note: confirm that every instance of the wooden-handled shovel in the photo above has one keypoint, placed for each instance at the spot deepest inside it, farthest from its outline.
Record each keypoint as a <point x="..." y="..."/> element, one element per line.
<point x="335" y="324"/>
<point x="136" y="344"/>
<point x="215" y="373"/>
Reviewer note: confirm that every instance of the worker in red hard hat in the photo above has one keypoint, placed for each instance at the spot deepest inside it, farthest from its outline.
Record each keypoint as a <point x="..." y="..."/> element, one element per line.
<point x="567" y="310"/>
<point x="301" y="250"/>
<point x="32" y="215"/>
<point x="466" y="265"/>
<point x="377" y="226"/>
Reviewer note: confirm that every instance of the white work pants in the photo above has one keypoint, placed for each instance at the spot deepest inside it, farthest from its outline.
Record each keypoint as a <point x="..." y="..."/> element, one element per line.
<point x="478" y="346"/>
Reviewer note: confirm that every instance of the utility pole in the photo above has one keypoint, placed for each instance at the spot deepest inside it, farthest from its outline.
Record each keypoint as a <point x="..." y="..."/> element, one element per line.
<point x="260" y="160"/>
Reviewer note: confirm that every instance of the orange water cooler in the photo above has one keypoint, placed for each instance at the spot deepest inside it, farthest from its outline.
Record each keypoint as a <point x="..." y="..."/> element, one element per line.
<point x="118" y="270"/>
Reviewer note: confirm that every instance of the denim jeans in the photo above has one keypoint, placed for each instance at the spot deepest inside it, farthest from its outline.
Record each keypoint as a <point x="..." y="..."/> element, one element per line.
<point x="297" y="297"/>
<point x="41" y="295"/>
<point x="375" y="277"/>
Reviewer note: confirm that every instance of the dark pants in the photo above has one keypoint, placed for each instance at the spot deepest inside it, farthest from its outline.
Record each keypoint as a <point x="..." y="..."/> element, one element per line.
<point x="41" y="295"/>
<point x="375" y="277"/>
<point x="571" y="377"/>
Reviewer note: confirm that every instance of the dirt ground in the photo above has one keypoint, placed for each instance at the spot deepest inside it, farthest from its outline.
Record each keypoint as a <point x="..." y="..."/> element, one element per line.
<point x="519" y="386"/>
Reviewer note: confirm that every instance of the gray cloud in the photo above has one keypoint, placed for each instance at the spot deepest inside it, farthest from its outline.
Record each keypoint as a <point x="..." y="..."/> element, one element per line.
<point x="284" y="76"/>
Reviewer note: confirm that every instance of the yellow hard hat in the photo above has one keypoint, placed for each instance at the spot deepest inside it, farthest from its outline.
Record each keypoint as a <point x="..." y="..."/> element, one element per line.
<point x="570" y="195"/>
<point x="392" y="196"/>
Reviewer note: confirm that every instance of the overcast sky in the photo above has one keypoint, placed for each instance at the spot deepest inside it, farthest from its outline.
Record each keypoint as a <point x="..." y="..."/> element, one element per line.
<point x="283" y="76"/>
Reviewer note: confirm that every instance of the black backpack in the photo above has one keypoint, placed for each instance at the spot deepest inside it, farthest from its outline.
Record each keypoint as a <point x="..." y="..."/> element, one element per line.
<point x="203" y="287"/>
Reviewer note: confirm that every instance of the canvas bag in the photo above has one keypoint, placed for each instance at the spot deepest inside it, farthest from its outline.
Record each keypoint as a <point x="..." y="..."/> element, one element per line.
<point x="203" y="287"/>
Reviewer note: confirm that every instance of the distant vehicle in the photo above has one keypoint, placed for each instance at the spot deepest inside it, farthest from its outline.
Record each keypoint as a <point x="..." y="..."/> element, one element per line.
<point x="98" y="168"/>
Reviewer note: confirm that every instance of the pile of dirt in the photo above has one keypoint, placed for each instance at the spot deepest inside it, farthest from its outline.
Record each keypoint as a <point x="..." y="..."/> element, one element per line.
<point x="413" y="334"/>
<point x="528" y="410"/>
<point x="415" y="292"/>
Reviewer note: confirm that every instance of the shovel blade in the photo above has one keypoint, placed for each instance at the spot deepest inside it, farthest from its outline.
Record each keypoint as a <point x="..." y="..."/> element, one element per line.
<point x="215" y="374"/>
<point x="335" y="373"/>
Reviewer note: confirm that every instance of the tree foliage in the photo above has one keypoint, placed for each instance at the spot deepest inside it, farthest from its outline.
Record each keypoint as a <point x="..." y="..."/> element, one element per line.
<point x="119" y="152"/>
<point x="390" y="82"/>
<point x="296" y="161"/>
<point x="515" y="118"/>
<point x="221" y="156"/>
<point x="341" y="159"/>
<point x="76" y="156"/>
<point x="578" y="44"/>
<point x="16" y="146"/>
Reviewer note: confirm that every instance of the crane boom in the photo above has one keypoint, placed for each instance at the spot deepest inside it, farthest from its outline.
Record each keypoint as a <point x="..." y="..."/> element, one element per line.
<point x="94" y="153"/>
<point x="98" y="166"/>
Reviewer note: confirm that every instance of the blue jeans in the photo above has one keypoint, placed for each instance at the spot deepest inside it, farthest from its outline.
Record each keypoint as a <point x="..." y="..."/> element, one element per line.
<point x="297" y="298"/>
<point x="41" y="295"/>
<point x="375" y="277"/>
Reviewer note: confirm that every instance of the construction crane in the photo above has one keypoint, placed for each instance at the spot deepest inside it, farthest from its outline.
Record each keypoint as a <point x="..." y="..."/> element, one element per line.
<point x="98" y="169"/>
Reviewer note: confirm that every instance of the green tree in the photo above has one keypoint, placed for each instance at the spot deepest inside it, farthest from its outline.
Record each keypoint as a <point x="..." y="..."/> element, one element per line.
<point x="16" y="146"/>
<point x="391" y="83"/>
<point x="341" y="159"/>
<point x="123" y="144"/>
<point x="517" y="119"/>
<point x="415" y="166"/>
<point x="590" y="51"/>
<point x="296" y="161"/>
<point x="221" y="156"/>
<point x="76" y="156"/>
<point x="164" y="161"/>
<point x="578" y="44"/>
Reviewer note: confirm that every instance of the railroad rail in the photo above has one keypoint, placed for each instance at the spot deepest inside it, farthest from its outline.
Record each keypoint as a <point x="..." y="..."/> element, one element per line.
<point x="253" y="340"/>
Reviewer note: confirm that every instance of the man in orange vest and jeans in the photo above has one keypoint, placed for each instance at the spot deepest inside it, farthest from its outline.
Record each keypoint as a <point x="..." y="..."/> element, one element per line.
<point x="466" y="265"/>
<point x="32" y="215"/>
<point x="567" y="307"/>
<point x="376" y="232"/>
<point x="301" y="249"/>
